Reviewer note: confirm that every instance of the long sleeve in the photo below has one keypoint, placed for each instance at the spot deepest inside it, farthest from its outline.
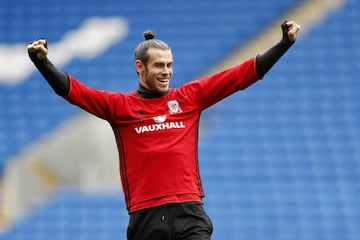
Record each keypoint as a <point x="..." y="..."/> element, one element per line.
<point x="266" y="61"/>
<point x="57" y="79"/>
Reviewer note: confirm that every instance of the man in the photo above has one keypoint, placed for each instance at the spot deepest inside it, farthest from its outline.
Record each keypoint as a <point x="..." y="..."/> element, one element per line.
<point x="156" y="131"/>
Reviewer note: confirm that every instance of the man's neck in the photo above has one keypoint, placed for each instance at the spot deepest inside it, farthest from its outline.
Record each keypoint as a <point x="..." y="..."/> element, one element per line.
<point x="146" y="93"/>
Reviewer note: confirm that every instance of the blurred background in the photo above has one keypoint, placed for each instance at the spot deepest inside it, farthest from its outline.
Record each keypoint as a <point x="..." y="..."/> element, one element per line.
<point x="280" y="160"/>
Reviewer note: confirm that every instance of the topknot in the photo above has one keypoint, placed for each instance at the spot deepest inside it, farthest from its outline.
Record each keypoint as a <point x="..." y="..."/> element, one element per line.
<point x="149" y="35"/>
<point x="141" y="51"/>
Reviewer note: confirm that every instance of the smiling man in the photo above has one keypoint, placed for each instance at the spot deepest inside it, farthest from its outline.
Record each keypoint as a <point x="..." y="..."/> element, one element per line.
<point x="156" y="131"/>
<point x="155" y="67"/>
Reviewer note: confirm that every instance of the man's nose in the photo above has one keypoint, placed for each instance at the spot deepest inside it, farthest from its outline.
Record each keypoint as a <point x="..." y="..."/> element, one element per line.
<point x="166" y="70"/>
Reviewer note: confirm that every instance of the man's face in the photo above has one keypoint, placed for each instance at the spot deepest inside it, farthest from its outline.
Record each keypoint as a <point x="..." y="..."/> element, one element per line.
<point x="156" y="75"/>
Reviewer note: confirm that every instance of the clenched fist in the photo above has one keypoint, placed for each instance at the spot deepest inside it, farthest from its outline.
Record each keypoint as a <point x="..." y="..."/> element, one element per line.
<point x="291" y="29"/>
<point x="38" y="47"/>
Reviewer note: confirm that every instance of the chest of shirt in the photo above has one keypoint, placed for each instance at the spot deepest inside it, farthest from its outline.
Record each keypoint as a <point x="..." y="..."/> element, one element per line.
<point x="165" y="115"/>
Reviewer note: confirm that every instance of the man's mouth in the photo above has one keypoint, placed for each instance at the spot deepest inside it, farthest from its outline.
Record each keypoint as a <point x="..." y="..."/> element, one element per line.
<point x="163" y="80"/>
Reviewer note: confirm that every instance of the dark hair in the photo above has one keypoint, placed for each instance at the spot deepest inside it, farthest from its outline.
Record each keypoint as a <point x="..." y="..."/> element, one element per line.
<point x="141" y="51"/>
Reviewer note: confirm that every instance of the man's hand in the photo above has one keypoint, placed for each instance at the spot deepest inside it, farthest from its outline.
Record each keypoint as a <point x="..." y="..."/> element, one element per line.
<point x="290" y="30"/>
<point x="38" y="47"/>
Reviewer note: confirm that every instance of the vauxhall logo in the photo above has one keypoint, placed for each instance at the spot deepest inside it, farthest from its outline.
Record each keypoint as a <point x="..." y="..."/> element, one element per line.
<point x="159" y="125"/>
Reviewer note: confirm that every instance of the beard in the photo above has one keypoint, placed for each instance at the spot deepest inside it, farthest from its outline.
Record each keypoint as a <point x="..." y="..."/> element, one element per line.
<point x="156" y="85"/>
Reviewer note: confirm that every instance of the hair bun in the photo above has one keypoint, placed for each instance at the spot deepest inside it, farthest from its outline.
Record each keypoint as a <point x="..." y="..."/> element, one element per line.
<point x="149" y="35"/>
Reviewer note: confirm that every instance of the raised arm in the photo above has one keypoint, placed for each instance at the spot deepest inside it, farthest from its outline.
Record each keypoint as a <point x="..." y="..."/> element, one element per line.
<point x="57" y="79"/>
<point x="266" y="61"/>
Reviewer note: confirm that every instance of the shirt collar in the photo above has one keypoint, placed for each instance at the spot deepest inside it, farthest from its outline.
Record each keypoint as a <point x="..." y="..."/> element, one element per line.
<point x="146" y="93"/>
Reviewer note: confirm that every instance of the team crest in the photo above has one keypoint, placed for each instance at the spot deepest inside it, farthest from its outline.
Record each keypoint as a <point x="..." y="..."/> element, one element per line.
<point x="174" y="107"/>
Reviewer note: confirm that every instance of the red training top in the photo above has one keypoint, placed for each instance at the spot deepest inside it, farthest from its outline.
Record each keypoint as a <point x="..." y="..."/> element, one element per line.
<point x="157" y="138"/>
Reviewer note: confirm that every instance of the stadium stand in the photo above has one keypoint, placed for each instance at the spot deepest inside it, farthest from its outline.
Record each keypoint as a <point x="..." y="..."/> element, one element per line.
<point x="279" y="160"/>
<point x="34" y="100"/>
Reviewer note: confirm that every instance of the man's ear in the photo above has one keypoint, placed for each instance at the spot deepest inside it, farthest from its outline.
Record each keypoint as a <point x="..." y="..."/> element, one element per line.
<point x="139" y="66"/>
